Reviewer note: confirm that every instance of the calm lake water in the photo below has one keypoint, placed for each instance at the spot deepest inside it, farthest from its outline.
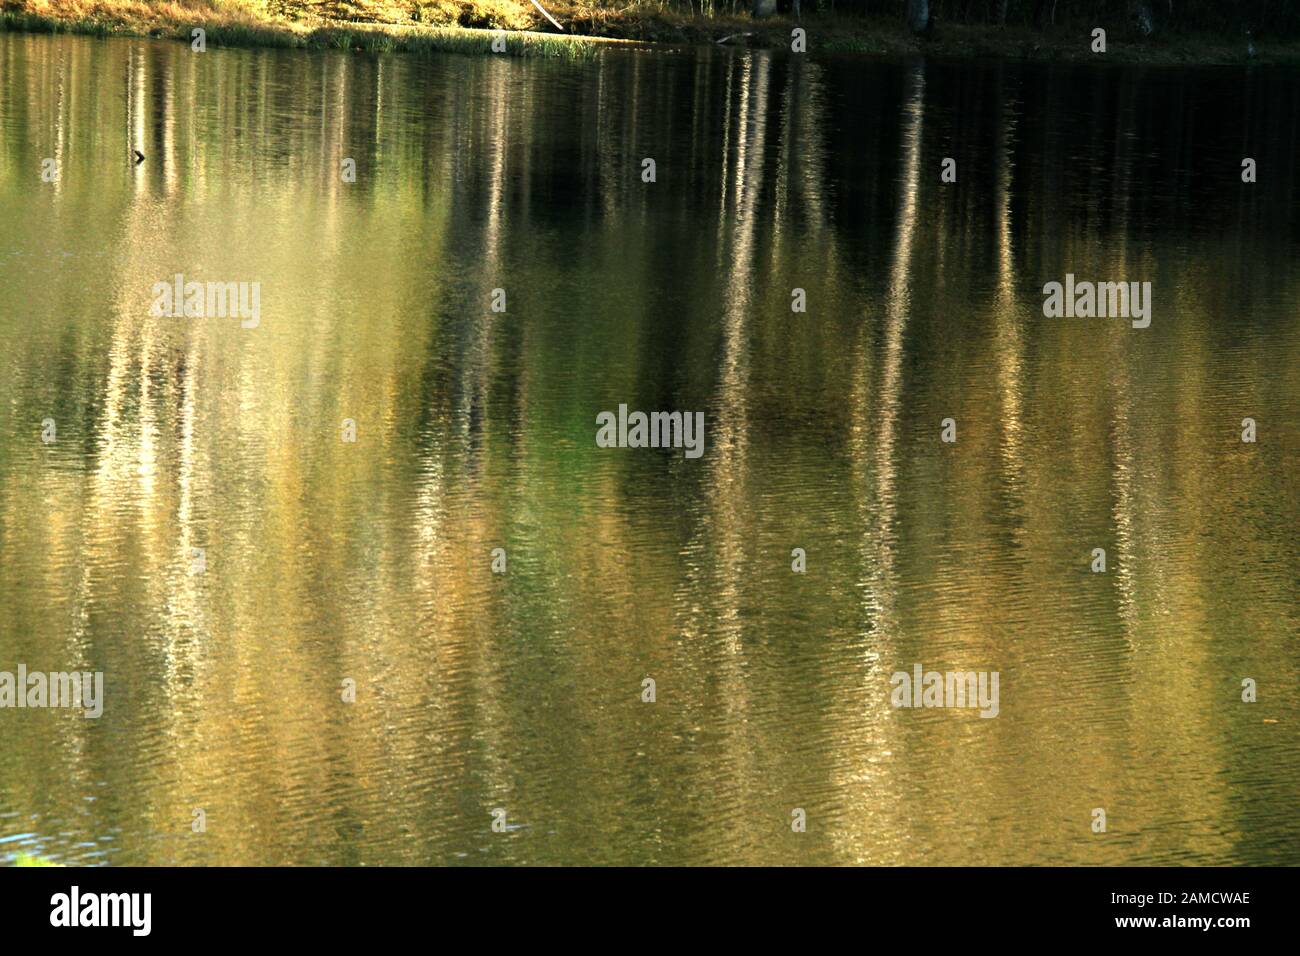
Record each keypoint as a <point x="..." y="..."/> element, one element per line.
<point x="329" y="560"/>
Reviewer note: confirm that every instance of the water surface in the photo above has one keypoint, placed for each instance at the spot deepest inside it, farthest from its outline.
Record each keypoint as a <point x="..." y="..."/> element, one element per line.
<point x="371" y="561"/>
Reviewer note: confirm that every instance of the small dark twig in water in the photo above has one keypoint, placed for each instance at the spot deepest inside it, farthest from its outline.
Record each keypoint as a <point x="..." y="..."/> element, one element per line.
<point x="139" y="157"/>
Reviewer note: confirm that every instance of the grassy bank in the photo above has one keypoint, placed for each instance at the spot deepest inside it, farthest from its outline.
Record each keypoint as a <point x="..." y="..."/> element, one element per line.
<point x="294" y="23"/>
<point x="28" y="859"/>
<point x="469" y="26"/>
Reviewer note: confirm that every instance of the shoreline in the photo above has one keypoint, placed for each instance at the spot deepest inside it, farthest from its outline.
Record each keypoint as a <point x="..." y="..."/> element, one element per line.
<point x="526" y="33"/>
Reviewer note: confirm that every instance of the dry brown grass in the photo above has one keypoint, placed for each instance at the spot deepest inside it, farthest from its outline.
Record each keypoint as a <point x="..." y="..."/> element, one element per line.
<point x="626" y="18"/>
<point x="135" y="10"/>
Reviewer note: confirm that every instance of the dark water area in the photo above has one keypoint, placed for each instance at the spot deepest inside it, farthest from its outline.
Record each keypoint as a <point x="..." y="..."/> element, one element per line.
<point x="327" y="561"/>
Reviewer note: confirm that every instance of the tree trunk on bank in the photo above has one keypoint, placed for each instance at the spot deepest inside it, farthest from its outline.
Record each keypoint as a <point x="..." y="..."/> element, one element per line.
<point x="918" y="15"/>
<point x="762" y="8"/>
<point x="1145" y="17"/>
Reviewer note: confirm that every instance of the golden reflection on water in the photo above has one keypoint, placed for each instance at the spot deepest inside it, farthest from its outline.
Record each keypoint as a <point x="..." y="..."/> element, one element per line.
<point x="327" y="560"/>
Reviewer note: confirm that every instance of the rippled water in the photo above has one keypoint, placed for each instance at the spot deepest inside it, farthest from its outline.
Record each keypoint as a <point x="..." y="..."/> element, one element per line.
<point x="371" y="561"/>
